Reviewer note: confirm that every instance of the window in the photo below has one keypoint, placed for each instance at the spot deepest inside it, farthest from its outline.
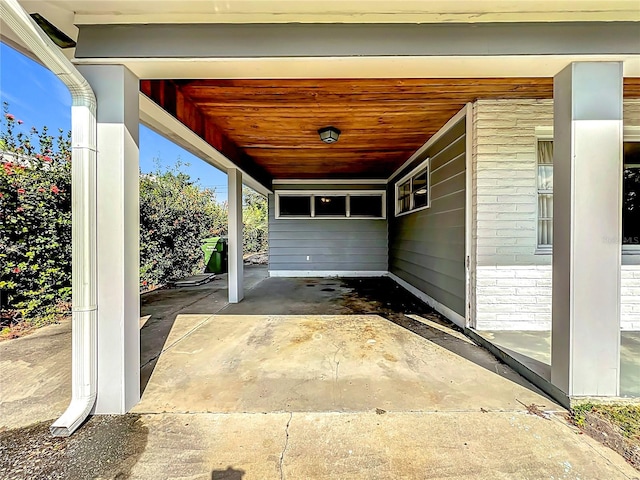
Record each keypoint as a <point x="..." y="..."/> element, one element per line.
<point x="545" y="194"/>
<point x="630" y="195"/>
<point x="412" y="192"/>
<point x="295" y="206"/>
<point x="365" y="206"/>
<point x="330" y="204"/>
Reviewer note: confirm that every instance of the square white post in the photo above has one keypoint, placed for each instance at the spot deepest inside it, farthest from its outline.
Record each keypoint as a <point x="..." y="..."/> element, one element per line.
<point x="118" y="232"/>
<point x="587" y="229"/>
<point x="236" y="274"/>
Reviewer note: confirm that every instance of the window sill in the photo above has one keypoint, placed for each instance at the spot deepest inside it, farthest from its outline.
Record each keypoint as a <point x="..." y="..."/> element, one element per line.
<point x="412" y="211"/>
<point x="626" y="250"/>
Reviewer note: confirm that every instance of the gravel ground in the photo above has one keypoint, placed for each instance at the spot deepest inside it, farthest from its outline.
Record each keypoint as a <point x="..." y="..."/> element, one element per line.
<point x="105" y="447"/>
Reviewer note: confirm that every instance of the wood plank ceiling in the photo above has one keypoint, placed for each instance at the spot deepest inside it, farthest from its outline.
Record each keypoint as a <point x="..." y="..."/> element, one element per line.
<point x="269" y="127"/>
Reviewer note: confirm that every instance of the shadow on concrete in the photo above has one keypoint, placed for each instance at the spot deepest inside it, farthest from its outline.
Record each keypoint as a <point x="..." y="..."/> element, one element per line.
<point x="228" y="474"/>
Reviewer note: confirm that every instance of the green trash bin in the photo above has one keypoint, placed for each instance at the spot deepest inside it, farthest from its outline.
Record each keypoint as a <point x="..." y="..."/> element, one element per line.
<point x="215" y="254"/>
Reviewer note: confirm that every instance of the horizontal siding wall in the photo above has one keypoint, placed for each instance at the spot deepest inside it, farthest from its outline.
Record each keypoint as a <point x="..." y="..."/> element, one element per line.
<point x="427" y="248"/>
<point x="512" y="282"/>
<point x="343" y="245"/>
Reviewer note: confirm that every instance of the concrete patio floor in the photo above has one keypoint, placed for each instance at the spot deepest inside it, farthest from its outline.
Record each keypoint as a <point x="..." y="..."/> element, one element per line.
<point x="315" y="379"/>
<point x="533" y="349"/>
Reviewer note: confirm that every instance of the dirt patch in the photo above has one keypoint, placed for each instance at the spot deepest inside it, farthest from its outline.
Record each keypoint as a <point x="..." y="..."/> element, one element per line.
<point x="106" y="447"/>
<point x="616" y="426"/>
<point x="256" y="259"/>
<point x="15" y="330"/>
<point x="13" y="325"/>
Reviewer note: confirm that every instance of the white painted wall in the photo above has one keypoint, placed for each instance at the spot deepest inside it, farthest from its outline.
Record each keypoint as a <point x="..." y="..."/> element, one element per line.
<point x="513" y="283"/>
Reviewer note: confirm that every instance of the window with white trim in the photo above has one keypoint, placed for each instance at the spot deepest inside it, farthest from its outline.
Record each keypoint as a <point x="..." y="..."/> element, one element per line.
<point x="545" y="194"/>
<point x="412" y="191"/>
<point x="330" y="204"/>
<point x="630" y="196"/>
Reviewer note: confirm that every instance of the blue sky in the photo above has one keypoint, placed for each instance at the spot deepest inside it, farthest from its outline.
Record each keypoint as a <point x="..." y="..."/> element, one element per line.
<point x="38" y="98"/>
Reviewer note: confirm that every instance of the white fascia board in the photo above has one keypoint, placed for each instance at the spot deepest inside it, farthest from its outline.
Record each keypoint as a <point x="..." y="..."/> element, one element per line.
<point x="504" y="66"/>
<point x="163" y="123"/>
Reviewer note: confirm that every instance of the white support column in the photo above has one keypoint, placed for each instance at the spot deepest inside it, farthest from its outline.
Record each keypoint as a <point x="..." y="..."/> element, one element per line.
<point x="118" y="231"/>
<point x="236" y="274"/>
<point x="587" y="229"/>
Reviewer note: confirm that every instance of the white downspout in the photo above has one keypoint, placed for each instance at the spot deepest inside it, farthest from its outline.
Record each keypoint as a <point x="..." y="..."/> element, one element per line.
<point x="83" y="197"/>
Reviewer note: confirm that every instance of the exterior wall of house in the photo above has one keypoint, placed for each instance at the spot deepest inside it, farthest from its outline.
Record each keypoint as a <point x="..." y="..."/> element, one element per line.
<point x="512" y="282"/>
<point x="343" y="246"/>
<point x="427" y="247"/>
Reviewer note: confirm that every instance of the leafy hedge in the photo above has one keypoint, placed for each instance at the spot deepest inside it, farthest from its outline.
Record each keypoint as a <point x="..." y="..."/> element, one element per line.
<point x="256" y="221"/>
<point x="35" y="220"/>
<point x="35" y="223"/>
<point x="175" y="215"/>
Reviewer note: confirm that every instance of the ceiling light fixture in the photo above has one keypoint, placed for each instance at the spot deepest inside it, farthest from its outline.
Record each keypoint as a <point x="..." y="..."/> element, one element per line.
<point x="329" y="134"/>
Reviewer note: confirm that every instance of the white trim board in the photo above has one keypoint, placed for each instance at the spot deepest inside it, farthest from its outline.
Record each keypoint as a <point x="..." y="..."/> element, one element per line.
<point x="437" y="306"/>
<point x="327" y="273"/>
<point x="470" y="267"/>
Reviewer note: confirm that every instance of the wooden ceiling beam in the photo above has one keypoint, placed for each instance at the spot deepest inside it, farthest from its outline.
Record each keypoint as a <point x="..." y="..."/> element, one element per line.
<point x="168" y="95"/>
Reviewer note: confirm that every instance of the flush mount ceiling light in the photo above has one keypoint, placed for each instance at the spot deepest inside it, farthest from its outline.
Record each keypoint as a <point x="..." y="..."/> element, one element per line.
<point x="329" y="134"/>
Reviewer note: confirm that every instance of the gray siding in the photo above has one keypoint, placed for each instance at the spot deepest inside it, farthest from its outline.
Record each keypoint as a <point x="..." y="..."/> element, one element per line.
<point x="427" y="248"/>
<point x="337" y="245"/>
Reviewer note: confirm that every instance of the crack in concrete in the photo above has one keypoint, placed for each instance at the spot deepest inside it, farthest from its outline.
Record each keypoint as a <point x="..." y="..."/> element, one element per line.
<point x="286" y="444"/>
<point x="337" y="362"/>
<point x="155" y="357"/>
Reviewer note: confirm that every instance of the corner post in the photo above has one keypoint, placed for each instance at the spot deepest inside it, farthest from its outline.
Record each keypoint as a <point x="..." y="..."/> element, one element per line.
<point x="236" y="274"/>
<point x="118" y="236"/>
<point x="587" y="229"/>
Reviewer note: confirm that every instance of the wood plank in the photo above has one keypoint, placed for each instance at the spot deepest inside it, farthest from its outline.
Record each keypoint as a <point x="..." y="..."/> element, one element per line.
<point x="273" y="124"/>
<point x="168" y="95"/>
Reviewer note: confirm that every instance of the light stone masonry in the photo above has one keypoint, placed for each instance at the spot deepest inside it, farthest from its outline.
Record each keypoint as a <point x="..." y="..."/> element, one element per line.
<point x="512" y="279"/>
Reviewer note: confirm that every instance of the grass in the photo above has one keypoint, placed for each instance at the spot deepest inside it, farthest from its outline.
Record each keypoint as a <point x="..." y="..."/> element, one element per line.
<point x="625" y="417"/>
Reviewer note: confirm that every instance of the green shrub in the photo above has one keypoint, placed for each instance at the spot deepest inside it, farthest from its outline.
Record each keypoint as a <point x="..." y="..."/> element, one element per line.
<point x="255" y="220"/>
<point x="175" y="215"/>
<point x="35" y="220"/>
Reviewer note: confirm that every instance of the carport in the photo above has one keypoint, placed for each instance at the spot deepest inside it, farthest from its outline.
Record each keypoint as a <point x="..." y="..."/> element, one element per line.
<point x="251" y="99"/>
